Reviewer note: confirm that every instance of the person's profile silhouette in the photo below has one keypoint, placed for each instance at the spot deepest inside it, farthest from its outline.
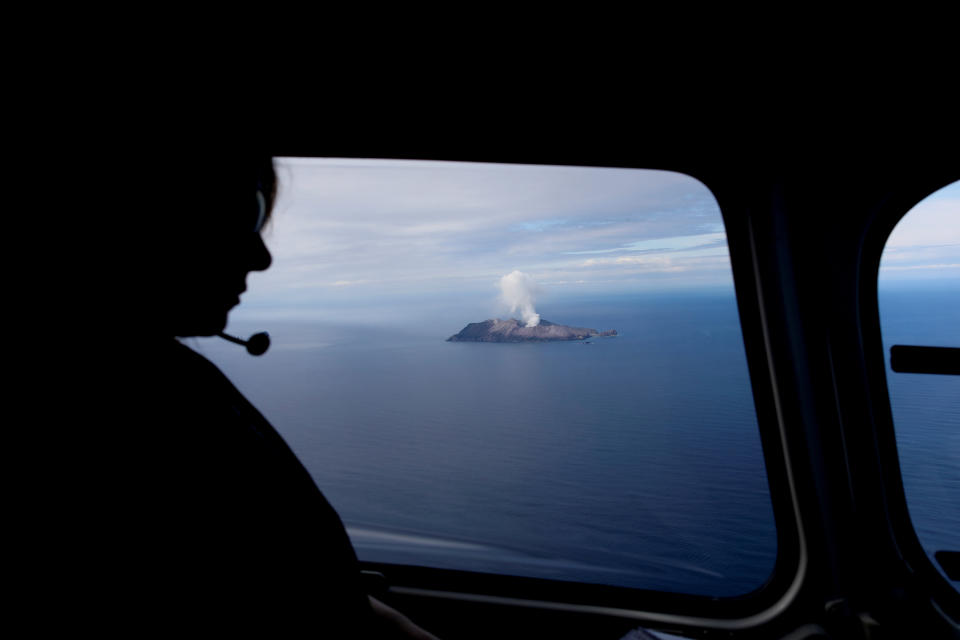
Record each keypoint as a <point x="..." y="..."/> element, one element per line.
<point x="200" y="515"/>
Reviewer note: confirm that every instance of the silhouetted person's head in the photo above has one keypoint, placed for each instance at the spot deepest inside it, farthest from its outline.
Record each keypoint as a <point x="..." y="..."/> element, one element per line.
<point x="201" y="241"/>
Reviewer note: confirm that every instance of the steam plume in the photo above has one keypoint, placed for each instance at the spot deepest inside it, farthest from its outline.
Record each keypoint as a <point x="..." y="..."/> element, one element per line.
<point x="517" y="290"/>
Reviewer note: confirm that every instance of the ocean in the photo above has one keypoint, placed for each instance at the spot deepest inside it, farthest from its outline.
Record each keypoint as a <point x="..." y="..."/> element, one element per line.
<point x="926" y="409"/>
<point x="632" y="461"/>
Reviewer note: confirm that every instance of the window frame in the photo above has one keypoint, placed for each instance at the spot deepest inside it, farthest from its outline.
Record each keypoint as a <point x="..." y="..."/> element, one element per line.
<point x="903" y="539"/>
<point x="681" y="610"/>
<point x="757" y="216"/>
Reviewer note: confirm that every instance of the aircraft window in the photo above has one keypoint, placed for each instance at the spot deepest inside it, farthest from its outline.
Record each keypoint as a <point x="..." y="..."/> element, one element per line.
<point x="631" y="460"/>
<point x="919" y="298"/>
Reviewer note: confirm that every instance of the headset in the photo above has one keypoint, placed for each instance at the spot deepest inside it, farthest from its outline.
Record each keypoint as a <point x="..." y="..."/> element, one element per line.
<point x="258" y="343"/>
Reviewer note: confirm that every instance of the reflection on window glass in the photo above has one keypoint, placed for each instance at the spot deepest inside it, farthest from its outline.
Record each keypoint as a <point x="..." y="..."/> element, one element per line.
<point x="919" y="296"/>
<point x="599" y="428"/>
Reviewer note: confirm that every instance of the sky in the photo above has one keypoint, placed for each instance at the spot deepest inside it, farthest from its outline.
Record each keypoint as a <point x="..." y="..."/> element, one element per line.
<point x="925" y="244"/>
<point x="354" y="234"/>
<point x="355" y="230"/>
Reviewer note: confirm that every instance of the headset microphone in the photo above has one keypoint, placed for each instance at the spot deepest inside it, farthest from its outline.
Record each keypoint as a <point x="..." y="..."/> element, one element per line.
<point x="256" y="345"/>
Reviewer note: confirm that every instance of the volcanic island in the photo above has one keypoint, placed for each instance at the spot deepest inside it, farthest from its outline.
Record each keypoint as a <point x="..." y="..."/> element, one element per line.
<point x="513" y="330"/>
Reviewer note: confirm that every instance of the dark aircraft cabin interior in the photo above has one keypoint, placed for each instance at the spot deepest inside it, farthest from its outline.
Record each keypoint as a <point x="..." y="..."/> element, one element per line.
<point x="805" y="240"/>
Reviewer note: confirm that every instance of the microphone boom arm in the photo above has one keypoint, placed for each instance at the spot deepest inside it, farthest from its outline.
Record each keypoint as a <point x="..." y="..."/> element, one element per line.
<point x="256" y="345"/>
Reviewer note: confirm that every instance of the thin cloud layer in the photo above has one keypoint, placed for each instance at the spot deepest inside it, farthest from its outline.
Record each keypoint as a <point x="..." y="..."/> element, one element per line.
<point x="926" y="242"/>
<point x="349" y="226"/>
<point x="363" y="229"/>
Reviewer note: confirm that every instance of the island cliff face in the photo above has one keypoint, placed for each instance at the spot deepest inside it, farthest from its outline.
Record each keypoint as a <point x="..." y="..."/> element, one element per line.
<point x="513" y="330"/>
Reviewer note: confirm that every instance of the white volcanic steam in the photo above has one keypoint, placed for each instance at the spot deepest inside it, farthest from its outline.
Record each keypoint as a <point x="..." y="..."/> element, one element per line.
<point x="517" y="290"/>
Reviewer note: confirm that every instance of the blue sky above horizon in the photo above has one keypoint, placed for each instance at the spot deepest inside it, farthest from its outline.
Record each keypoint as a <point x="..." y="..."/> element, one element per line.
<point x="354" y="233"/>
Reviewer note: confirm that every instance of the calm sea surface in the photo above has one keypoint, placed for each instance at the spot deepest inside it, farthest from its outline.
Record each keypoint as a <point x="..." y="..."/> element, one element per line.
<point x="631" y="461"/>
<point x="926" y="410"/>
